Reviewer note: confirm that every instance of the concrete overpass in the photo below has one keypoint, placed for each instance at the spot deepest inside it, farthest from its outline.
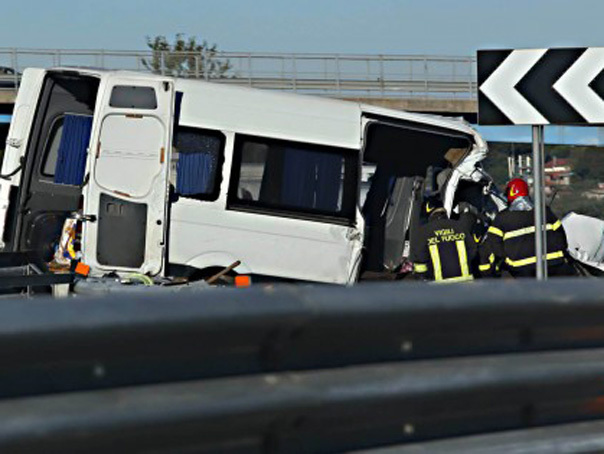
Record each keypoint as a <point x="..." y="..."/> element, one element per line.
<point x="444" y="85"/>
<point x="467" y="108"/>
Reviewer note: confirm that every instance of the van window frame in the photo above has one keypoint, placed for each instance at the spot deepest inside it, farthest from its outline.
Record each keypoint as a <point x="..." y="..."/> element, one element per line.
<point x="116" y="100"/>
<point x="215" y="192"/>
<point x="350" y="184"/>
<point x="57" y="123"/>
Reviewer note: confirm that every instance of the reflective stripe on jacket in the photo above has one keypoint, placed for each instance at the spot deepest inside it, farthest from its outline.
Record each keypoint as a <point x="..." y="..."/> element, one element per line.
<point x="510" y="243"/>
<point x="444" y="250"/>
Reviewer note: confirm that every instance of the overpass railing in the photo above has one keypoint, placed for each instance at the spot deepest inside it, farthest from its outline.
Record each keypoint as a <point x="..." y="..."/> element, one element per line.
<point x="334" y="75"/>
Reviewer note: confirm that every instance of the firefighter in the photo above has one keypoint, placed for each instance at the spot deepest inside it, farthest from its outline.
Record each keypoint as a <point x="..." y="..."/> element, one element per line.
<point x="444" y="249"/>
<point x="510" y="241"/>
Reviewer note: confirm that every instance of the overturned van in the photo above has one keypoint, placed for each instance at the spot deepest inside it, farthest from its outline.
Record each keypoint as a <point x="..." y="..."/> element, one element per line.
<point x="180" y="177"/>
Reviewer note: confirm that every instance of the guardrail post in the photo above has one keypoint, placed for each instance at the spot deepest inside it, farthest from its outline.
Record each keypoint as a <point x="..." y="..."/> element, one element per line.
<point x="454" y="78"/>
<point x="425" y="76"/>
<point x="470" y="85"/>
<point x="206" y="64"/>
<point x="249" y="69"/>
<point x="294" y="72"/>
<point x="368" y="77"/>
<point x="411" y="79"/>
<point x="338" y="86"/>
<point x="381" y="57"/>
<point x="15" y="66"/>
<point x="196" y="66"/>
<point x="162" y="62"/>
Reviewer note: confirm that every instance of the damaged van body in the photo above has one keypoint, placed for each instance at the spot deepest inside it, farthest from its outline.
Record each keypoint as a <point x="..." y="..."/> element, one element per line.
<point x="180" y="177"/>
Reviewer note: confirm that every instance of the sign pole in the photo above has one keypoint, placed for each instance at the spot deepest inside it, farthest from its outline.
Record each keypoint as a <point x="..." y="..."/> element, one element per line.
<point x="539" y="199"/>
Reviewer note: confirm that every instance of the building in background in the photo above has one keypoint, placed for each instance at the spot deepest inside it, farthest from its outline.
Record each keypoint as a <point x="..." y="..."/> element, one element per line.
<point x="519" y="164"/>
<point x="558" y="173"/>
<point x="597" y="193"/>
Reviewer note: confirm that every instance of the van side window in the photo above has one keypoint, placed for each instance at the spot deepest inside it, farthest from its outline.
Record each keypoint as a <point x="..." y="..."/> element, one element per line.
<point x="292" y="178"/>
<point x="51" y="151"/>
<point x="196" y="165"/>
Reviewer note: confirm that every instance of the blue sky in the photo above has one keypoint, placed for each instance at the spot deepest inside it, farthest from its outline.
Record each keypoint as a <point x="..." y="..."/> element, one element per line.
<point x="351" y="26"/>
<point x="447" y="27"/>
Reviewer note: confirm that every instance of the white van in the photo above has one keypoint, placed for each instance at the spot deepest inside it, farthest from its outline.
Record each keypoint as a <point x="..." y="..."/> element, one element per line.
<point x="181" y="177"/>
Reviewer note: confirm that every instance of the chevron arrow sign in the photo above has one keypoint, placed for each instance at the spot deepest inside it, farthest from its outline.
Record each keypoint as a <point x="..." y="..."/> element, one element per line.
<point x="541" y="86"/>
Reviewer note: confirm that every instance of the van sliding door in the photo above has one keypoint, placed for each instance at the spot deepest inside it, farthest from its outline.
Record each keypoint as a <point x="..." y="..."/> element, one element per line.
<point x="128" y="184"/>
<point x="401" y="154"/>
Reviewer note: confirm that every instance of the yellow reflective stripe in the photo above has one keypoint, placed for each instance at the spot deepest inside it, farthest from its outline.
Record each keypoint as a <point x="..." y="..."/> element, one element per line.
<point x="487" y="266"/>
<point x="476" y="238"/>
<point x="456" y="279"/>
<point x="495" y="231"/>
<point x="435" y="256"/>
<point x="420" y="267"/>
<point x="463" y="257"/>
<point x="519" y="232"/>
<point x="533" y="259"/>
<point x="527" y="230"/>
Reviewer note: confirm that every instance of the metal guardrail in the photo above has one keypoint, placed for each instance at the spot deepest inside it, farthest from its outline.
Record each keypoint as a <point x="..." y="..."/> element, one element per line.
<point x="324" y="411"/>
<point x="299" y="369"/>
<point x="335" y="75"/>
<point x="173" y="337"/>
<point x="585" y="438"/>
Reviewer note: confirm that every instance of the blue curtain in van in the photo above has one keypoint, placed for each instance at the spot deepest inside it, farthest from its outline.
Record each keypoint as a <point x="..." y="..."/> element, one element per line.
<point x="193" y="173"/>
<point x="329" y="181"/>
<point x="71" y="159"/>
<point x="297" y="188"/>
<point x="311" y="179"/>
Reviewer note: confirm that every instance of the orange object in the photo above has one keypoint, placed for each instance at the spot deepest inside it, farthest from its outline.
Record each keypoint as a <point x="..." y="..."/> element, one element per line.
<point x="243" y="281"/>
<point x="82" y="269"/>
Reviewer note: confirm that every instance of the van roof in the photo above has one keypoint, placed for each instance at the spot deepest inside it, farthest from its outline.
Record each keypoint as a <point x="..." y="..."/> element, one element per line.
<point x="220" y="105"/>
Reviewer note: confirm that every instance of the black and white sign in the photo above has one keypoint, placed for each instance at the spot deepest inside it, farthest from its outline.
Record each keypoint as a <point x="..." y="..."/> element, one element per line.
<point x="541" y="86"/>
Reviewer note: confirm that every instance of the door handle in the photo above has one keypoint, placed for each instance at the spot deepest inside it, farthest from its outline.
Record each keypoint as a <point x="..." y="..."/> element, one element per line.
<point x="84" y="217"/>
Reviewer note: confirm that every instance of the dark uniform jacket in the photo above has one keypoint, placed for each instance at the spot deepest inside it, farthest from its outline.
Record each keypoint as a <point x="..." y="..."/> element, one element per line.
<point x="445" y="250"/>
<point x="510" y="244"/>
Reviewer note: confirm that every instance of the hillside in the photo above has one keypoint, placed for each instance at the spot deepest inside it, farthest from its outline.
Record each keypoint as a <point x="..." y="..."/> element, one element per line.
<point x="588" y="170"/>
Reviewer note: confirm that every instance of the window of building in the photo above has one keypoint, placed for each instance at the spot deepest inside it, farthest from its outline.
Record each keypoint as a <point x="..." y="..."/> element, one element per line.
<point x="197" y="158"/>
<point x="292" y="178"/>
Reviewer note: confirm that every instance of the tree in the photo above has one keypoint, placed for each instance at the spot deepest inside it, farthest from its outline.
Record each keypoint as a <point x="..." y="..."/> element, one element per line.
<point x="185" y="58"/>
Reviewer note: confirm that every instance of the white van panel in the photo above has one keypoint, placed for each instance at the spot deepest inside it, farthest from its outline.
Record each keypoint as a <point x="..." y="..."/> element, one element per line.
<point x="265" y="244"/>
<point x="18" y="133"/>
<point x="130" y="147"/>
<point x="269" y="114"/>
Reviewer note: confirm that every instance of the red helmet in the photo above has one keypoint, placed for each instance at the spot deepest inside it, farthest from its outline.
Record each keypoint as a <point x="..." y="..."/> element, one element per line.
<point x="516" y="187"/>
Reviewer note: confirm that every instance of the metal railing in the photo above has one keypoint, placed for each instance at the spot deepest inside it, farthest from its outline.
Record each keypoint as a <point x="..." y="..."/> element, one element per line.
<point x="299" y="369"/>
<point x="334" y="75"/>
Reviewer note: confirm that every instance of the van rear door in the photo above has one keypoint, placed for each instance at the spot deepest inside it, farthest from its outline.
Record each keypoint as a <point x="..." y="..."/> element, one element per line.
<point x="43" y="142"/>
<point x="22" y="119"/>
<point x="127" y="190"/>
